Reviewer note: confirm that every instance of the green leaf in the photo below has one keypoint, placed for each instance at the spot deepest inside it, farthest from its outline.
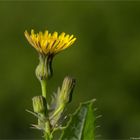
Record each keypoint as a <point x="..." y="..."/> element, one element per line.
<point x="81" y="123"/>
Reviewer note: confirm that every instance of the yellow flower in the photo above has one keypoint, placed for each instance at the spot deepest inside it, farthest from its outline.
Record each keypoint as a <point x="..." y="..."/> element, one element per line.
<point x="49" y="44"/>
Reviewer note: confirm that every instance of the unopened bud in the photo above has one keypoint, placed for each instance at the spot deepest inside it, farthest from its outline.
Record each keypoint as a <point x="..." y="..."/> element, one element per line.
<point x="67" y="89"/>
<point x="39" y="104"/>
<point x="61" y="99"/>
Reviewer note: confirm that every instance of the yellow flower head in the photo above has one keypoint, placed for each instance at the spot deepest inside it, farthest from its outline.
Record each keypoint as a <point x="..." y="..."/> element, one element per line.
<point x="49" y="44"/>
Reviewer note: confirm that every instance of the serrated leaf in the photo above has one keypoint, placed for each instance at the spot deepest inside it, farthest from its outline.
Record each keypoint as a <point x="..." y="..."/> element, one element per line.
<point x="81" y="124"/>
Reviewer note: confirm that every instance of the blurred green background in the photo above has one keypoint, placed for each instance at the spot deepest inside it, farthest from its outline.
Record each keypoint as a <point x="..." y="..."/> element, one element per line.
<point x="105" y="61"/>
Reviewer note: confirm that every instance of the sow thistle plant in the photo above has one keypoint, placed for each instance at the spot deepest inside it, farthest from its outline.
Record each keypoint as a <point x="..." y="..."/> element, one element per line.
<point x="80" y="125"/>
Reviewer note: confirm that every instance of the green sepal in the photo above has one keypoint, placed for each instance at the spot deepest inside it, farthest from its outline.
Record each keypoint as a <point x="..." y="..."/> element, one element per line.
<point x="44" y="69"/>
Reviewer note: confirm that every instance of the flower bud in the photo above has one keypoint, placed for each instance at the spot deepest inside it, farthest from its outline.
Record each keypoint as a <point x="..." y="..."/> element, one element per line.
<point x="67" y="89"/>
<point x="61" y="99"/>
<point x="39" y="104"/>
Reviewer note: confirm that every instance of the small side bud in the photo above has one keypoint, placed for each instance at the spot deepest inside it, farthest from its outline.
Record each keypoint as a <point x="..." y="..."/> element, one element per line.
<point x="67" y="89"/>
<point x="39" y="104"/>
<point x="61" y="99"/>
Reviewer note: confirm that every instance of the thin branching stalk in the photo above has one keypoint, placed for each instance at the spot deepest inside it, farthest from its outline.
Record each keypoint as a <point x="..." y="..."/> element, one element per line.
<point x="43" y="87"/>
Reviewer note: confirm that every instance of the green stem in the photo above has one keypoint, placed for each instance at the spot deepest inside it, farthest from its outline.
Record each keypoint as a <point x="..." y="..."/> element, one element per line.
<point x="43" y="87"/>
<point x="47" y="132"/>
